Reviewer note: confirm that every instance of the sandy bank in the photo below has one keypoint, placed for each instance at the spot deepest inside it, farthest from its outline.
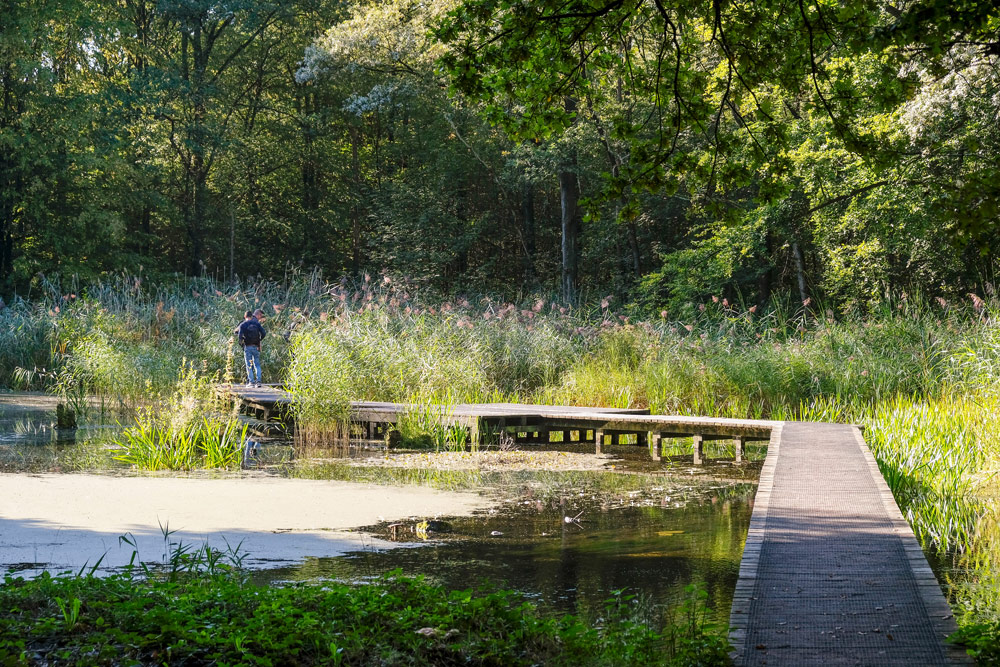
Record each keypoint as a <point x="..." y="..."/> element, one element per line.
<point x="66" y="521"/>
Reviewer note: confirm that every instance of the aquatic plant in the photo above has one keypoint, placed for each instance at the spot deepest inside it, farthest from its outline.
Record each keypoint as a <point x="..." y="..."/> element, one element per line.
<point x="432" y="424"/>
<point x="152" y="444"/>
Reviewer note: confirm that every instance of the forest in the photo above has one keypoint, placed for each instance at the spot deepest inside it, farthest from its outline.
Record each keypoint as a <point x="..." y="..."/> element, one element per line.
<point x="657" y="154"/>
<point x="763" y="210"/>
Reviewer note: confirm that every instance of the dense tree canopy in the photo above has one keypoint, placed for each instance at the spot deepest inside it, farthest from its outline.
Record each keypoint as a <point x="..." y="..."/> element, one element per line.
<point x="660" y="152"/>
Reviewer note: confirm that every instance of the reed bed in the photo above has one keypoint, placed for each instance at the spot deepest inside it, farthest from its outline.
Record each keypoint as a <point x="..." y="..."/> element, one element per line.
<point x="920" y="374"/>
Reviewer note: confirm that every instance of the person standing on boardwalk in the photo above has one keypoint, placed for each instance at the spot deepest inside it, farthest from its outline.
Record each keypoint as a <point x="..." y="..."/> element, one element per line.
<point x="251" y="334"/>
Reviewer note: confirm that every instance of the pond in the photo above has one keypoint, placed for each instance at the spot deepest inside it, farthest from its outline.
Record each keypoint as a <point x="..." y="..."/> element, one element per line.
<point x="568" y="539"/>
<point x="569" y="553"/>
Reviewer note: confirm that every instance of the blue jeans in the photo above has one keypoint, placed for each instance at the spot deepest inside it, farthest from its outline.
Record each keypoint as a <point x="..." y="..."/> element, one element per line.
<point x="251" y="354"/>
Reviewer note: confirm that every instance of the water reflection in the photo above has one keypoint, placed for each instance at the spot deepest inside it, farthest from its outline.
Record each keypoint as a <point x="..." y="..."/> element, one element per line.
<point x="535" y="547"/>
<point x="30" y="441"/>
<point x="971" y="579"/>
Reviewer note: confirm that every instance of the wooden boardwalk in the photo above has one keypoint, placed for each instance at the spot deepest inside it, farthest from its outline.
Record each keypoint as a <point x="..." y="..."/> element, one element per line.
<point x="532" y="424"/>
<point x="831" y="572"/>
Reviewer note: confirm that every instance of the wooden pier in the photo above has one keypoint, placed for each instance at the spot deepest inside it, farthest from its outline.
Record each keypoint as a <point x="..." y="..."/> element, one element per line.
<point x="831" y="572"/>
<point x="535" y="424"/>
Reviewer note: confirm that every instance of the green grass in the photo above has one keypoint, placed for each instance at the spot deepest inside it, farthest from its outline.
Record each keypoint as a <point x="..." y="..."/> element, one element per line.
<point x="195" y="428"/>
<point x="152" y="445"/>
<point x="431" y="424"/>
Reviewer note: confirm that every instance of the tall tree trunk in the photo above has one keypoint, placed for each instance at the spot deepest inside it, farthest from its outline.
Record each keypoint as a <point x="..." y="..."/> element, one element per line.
<point x="12" y="106"/>
<point x="633" y="245"/>
<point x="199" y="178"/>
<point x="199" y="169"/>
<point x="232" y="242"/>
<point x="569" y="199"/>
<point x="356" y="207"/>
<point x="528" y="231"/>
<point x="764" y="277"/>
<point x="800" y="271"/>
<point x="7" y="216"/>
<point x="310" y="163"/>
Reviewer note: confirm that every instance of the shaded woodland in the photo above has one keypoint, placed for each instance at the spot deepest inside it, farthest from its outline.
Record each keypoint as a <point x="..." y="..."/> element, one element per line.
<point x="660" y="154"/>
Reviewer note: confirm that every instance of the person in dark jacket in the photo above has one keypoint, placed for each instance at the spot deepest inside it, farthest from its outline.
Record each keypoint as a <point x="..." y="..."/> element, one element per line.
<point x="251" y="334"/>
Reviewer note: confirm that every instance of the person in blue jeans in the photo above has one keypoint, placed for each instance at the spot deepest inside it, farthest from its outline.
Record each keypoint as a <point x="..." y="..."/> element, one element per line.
<point x="251" y="334"/>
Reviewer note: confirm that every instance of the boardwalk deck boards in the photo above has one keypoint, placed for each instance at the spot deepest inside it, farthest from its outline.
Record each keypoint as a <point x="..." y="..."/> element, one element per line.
<point x="831" y="572"/>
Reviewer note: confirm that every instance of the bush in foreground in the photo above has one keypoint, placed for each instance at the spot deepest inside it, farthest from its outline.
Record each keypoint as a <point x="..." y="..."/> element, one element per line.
<point x="205" y="618"/>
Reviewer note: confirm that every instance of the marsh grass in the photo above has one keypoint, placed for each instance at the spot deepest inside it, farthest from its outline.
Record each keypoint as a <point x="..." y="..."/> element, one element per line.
<point x="152" y="444"/>
<point x="919" y="373"/>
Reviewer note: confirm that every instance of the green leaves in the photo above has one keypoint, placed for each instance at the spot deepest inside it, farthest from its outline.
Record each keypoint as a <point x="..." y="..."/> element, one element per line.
<point x="203" y="618"/>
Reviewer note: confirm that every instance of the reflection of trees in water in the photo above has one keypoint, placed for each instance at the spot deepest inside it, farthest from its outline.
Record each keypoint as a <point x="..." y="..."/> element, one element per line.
<point x="652" y="551"/>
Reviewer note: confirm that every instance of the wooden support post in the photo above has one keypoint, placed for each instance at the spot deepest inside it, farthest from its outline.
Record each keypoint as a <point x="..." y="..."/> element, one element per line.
<point x="474" y="433"/>
<point x="499" y="430"/>
<point x="739" y="442"/>
<point x="655" y="444"/>
<point x="598" y="440"/>
<point x="699" y="448"/>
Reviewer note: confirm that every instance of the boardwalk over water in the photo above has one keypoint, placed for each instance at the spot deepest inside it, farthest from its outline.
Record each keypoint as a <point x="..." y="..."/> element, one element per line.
<point x="831" y="572"/>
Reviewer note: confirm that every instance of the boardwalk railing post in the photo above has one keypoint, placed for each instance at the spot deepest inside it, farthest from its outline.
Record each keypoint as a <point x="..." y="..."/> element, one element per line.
<point x="698" y="443"/>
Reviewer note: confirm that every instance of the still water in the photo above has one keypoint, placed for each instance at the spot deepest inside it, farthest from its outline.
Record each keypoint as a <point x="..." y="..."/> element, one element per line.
<point x="567" y="539"/>
<point x="570" y="553"/>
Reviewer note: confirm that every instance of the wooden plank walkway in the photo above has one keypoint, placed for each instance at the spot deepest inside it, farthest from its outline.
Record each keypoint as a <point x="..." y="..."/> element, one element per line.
<point x="831" y="572"/>
<point x="600" y="426"/>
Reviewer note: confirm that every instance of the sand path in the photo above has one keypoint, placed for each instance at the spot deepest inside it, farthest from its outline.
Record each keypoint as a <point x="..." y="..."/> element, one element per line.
<point x="64" y="521"/>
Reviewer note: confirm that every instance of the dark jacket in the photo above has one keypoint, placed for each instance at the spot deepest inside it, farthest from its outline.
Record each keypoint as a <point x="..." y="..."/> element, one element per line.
<point x="250" y="332"/>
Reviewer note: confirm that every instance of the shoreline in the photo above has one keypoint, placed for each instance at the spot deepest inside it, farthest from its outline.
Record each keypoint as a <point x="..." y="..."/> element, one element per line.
<point x="59" y="522"/>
